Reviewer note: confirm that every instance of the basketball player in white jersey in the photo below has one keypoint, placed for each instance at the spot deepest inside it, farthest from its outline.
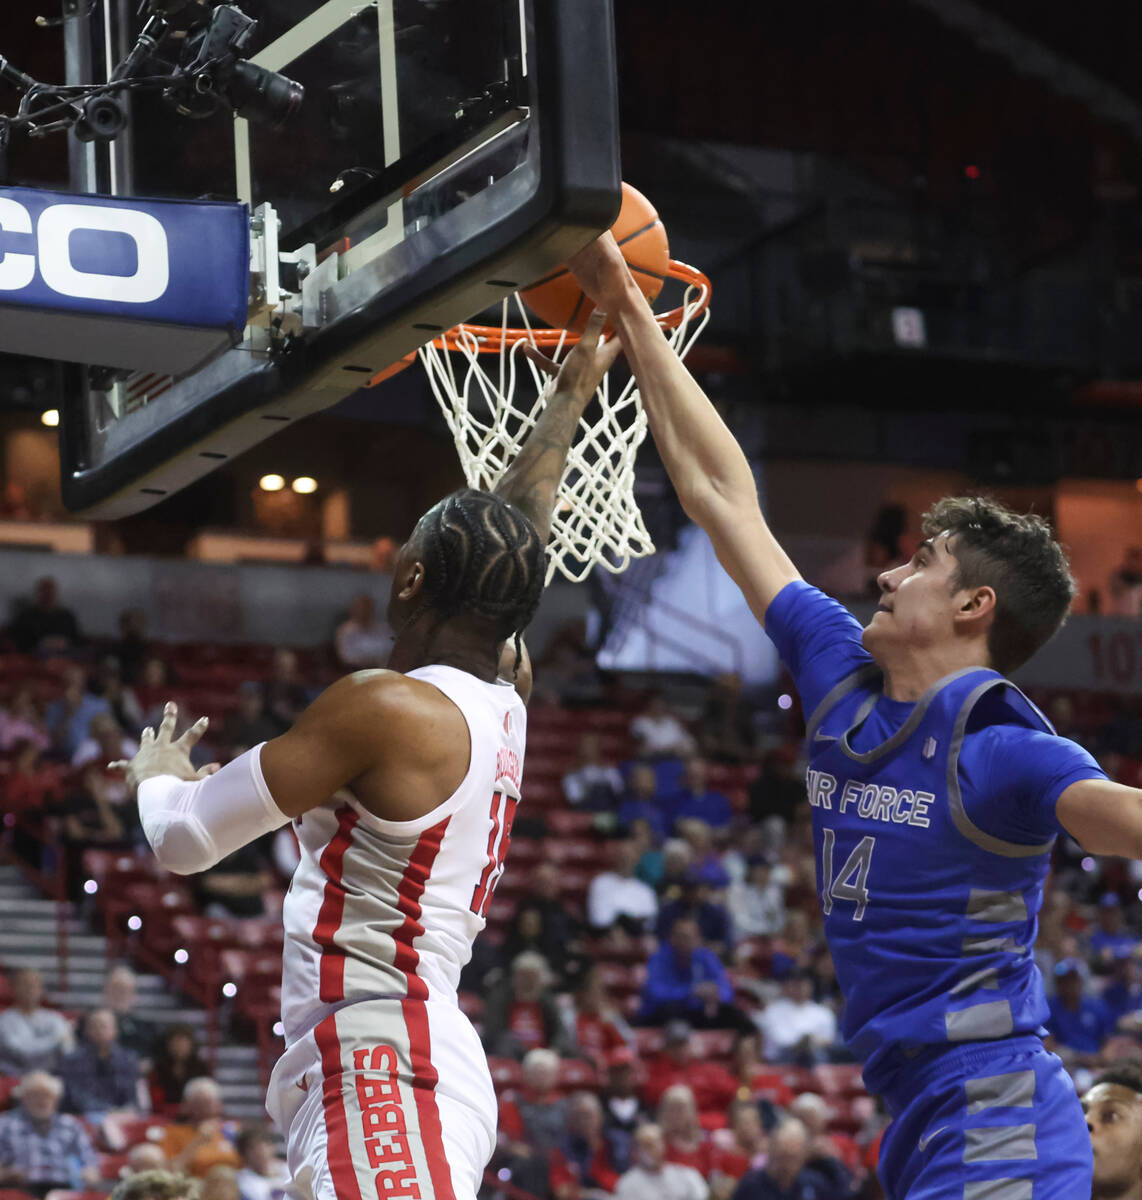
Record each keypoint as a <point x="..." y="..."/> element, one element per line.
<point x="401" y="785"/>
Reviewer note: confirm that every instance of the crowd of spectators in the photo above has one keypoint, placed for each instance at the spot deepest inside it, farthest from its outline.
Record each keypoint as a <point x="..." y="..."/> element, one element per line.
<point x="655" y="995"/>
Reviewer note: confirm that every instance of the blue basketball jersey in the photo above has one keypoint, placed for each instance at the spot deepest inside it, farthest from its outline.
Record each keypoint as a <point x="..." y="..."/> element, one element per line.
<point x="930" y="920"/>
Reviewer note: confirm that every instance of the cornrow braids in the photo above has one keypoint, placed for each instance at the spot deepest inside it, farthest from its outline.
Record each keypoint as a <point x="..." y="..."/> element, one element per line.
<point x="483" y="559"/>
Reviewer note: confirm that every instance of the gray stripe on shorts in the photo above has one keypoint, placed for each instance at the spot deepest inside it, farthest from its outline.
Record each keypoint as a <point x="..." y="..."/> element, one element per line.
<point x="999" y="1143"/>
<point x="990" y="945"/>
<point x="1013" y="1090"/>
<point x="980" y="1022"/>
<point x="987" y="978"/>
<point x="996" y="908"/>
<point x="998" y="1189"/>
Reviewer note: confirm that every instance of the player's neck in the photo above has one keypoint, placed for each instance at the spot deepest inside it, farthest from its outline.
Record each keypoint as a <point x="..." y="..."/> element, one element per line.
<point x="423" y="648"/>
<point x="908" y="676"/>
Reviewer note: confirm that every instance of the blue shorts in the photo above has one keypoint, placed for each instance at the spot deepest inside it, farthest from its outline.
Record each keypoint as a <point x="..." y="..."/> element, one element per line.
<point x="986" y="1121"/>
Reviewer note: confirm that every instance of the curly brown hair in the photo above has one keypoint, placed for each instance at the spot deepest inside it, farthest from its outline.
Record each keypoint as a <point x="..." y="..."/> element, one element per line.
<point x="1016" y="555"/>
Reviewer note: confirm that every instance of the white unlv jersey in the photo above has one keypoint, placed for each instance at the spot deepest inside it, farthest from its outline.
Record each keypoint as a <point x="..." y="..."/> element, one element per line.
<point x="391" y="908"/>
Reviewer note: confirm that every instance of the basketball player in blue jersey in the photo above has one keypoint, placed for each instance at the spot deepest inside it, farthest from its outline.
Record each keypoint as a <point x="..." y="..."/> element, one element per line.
<point x="937" y="791"/>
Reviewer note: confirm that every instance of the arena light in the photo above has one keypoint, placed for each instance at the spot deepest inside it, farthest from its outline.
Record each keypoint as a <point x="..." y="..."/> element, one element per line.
<point x="90" y="886"/>
<point x="784" y="702"/>
<point x="181" y="956"/>
<point x="304" y="485"/>
<point x="134" y="924"/>
<point x="229" y="990"/>
<point x="50" y="417"/>
<point x="279" y="1029"/>
<point x="271" y="483"/>
<point x="1087" y="863"/>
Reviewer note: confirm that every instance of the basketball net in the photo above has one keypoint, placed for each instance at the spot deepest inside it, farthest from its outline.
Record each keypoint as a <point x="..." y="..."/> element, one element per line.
<point x="475" y="372"/>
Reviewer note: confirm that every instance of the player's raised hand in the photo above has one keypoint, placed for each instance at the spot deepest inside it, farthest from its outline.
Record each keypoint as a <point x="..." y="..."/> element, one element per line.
<point x="583" y="369"/>
<point x="160" y="754"/>
<point x="603" y="274"/>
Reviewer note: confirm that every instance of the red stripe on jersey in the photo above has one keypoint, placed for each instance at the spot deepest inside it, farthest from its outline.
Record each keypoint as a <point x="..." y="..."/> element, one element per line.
<point x="332" y="985"/>
<point x="338" y="1151"/>
<point x="424" y="1080"/>
<point x="409" y="891"/>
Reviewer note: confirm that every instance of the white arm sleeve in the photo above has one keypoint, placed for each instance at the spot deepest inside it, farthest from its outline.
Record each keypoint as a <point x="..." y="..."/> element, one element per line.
<point x="192" y="825"/>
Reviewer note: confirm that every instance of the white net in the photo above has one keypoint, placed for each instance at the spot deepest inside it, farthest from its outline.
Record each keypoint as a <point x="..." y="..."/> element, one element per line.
<point x="475" y="374"/>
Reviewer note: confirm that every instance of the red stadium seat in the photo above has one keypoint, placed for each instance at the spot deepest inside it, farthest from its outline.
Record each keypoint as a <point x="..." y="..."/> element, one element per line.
<point x="506" y="1073"/>
<point x="838" y="1079"/>
<point x="576" y="1074"/>
<point x="568" y="824"/>
<point x="144" y="1129"/>
<point x="713" y="1043"/>
<point x="648" y="1041"/>
<point x="8" y="1084"/>
<point x="111" y="1164"/>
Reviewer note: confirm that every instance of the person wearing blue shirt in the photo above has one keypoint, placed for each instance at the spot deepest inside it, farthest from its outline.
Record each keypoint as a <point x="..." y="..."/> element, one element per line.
<point x="1078" y="1023"/>
<point x="936" y="792"/>
<point x="1111" y="938"/>
<point x="686" y="980"/>
<point x="642" y="802"/>
<point x="1123" y="994"/>
<point x="695" y="801"/>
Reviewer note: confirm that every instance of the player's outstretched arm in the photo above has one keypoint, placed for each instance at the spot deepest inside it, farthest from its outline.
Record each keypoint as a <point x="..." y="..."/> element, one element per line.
<point x="706" y="465"/>
<point x="1103" y="817"/>
<point x="530" y="483"/>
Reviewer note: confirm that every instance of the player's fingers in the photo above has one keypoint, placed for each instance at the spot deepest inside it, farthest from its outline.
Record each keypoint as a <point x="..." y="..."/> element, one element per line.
<point x="148" y="736"/>
<point x="170" y="718"/>
<point x="608" y="354"/>
<point x="594" y="327"/>
<point x="191" y="736"/>
<point x="209" y="769"/>
<point x="541" y="360"/>
<point x="120" y="764"/>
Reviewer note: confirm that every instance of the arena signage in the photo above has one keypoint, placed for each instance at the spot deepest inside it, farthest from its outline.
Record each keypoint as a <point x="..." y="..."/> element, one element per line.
<point x="156" y="284"/>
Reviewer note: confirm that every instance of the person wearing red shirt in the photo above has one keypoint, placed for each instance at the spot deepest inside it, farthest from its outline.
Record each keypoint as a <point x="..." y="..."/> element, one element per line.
<point x="755" y="1077"/>
<point x="713" y="1086"/>
<point x="533" y="1122"/>
<point x="598" y="1029"/>
<point x="687" y="1143"/>
<point x="741" y="1148"/>
<point x="583" y="1165"/>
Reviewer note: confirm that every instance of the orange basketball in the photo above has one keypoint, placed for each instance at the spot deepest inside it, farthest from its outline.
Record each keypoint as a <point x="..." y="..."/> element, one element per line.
<point x="559" y="301"/>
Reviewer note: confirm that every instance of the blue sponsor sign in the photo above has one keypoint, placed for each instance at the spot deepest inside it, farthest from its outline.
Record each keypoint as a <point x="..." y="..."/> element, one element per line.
<point x="171" y="261"/>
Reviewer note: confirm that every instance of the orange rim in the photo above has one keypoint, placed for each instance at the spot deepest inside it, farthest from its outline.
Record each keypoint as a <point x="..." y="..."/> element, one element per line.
<point x="492" y="338"/>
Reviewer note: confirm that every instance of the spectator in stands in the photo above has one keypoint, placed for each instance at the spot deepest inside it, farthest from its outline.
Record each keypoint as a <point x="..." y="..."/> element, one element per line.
<point x="711" y="1085"/>
<point x="1122" y="996"/>
<point x="623" y="1110"/>
<point x="757" y="903"/>
<point x="361" y="640"/>
<point x="145" y="1156"/>
<point x="105" y="742"/>
<point x="44" y="626"/>
<point x="1126" y="585"/>
<point x="68" y="719"/>
<point x="786" y="1173"/>
<point x="797" y="1028"/>
<point x="643" y="801"/>
<point x="100" y="1077"/>
<point x="598" y="1029"/>
<point x="31" y="1036"/>
<point x="583" y="1164"/>
<point x="592" y="783"/>
<point x="676" y="861"/>
<point x="836" y="1156"/>
<point x="249" y="724"/>
<point x="220" y="1183"/>
<point x="532" y="1124"/>
<point x="123" y="702"/>
<point x="284" y="693"/>
<point x="177" y="1062"/>
<point x="263" y="1176"/>
<point x="41" y="1148"/>
<point x="20" y="722"/>
<point x="560" y="928"/>
<point x="685" y="980"/>
<point x="705" y="861"/>
<point x="696" y="900"/>
<point x="157" y="1185"/>
<point x="686" y="1141"/>
<point x="694" y="801"/>
<point x="745" y="1148"/>
<point x="726" y="730"/>
<point x="521" y="1013"/>
<point x="660" y="734"/>
<point x="617" y="900"/>
<point x="1111" y="938"/>
<point x="779" y="790"/>
<point x="97" y="814"/>
<point x="131" y="649"/>
<point x="120" y="991"/>
<point x="1078" y="1024"/>
<point x="759" y="1079"/>
<point x="237" y="886"/>
<point x="568" y="672"/>
<point x="528" y="932"/>
<point x="31" y="782"/>
<point x="653" y="1178"/>
<point x="199" y="1141"/>
<point x="153" y="688"/>
<point x="1113" y="1108"/>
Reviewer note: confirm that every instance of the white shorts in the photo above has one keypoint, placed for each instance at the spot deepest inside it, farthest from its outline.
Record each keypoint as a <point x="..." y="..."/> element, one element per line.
<point x="386" y="1099"/>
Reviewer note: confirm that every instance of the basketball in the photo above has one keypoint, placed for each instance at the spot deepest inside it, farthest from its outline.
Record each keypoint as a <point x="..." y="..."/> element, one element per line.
<point x="559" y="301"/>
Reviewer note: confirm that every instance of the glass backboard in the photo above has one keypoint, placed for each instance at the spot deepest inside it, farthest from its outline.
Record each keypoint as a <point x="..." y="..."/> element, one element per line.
<point x="447" y="153"/>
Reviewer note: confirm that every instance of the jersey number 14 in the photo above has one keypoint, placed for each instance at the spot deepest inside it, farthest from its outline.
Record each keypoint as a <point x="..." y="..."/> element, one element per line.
<point x="499" y="839"/>
<point x="851" y="882"/>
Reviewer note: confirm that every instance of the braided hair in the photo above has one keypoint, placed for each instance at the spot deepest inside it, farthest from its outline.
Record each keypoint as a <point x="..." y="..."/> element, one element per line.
<point x="483" y="559"/>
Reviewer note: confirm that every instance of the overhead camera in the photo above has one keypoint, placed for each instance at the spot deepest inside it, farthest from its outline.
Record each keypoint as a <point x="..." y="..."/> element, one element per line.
<point x="210" y="71"/>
